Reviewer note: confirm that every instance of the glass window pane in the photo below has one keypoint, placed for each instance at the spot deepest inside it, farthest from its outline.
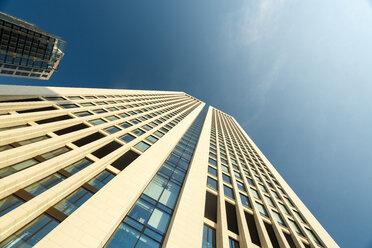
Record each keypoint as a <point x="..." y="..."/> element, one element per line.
<point x="17" y="167"/>
<point x="279" y="218"/>
<point x="78" y="166"/>
<point x="261" y="209"/>
<point x="170" y="194"/>
<point x="156" y="187"/>
<point x="209" y="237"/>
<point x="97" y="121"/>
<point x="142" y="146"/>
<point x="255" y="193"/>
<point x="73" y="201"/>
<point x="112" y="129"/>
<point x="9" y="203"/>
<point x="32" y="233"/>
<point x="228" y="191"/>
<point x="101" y="179"/>
<point x="212" y="183"/>
<point x="226" y="178"/>
<point x="33" y="140"/>
<point x="141" y="211"/>
<point x="159" y="220"/>
<point x="295" y="227"/>
<point x="212" y="171"/>
<point x="124" y="236"/>
<point x="44" y="184"/>
<point x="127" y="138"/>
<point x="145" y="242"/>
<point x="152" y="139"/>
<point x="245" y="201"/>
<point x="55" y="153"/>
<point x="83" y="113"/>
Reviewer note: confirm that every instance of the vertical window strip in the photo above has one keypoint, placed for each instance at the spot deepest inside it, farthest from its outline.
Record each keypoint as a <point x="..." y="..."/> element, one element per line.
<point x="147" y="222"/>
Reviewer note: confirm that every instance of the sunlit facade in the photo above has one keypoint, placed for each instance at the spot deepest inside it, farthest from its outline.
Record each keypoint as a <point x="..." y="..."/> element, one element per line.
<point x="135" y="168"/>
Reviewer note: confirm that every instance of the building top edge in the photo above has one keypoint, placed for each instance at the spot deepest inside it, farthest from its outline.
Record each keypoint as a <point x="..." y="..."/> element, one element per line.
<point x="51" y="90"/>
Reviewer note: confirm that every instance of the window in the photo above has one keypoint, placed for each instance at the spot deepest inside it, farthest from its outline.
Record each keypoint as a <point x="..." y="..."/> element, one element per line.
<point x="125" y="124"/>
<point x="83" y="113"/>
<point x="271" y="233"/>
<point x="295" y="227"/>
<point x="228" y="191"/>
<point x="101" y="179"/>
<point x="252" y="229"/>
<point x="212" y="183"/>
<point x="33" y="140"/>
<point x="9" y="203"/>
<point x="78" y="166"/>
<point x="269" y="201"/>
<point x="212" y="171"/>
<point x="5" y="147"/>
<point x="209" y="237"/>
<point x="88" y="139"/>
<point x="237" y="174"/>
<point x="250" y="181"/>
<point x="159" y="134"/>
<point x="106" y="149"/>
<point x="68" y="106"/>
<point x="240" y="185"/>
<point x="232" y="223"/>
<point x="87" y="104"/>
<point x="127" y="158"/>
<point x="245" y="201"/>
<point x="112" y="118"/>
<point x="278" y="218"/>
<point x="17" y="167"/>
<point x="226" y="178"/>
<point x="276" y="195"/>
<point x="255" y="193"/>
<point x="55" y="153"/>
<point x="233" y="243"/>
<point x="147" y="127"/>
<point x="261" y="208"/>
<point x="284" y="208"/>
<point x="99" y="111"/>
<point x="73" y="201"/>
<point x="210" y="210"/>
<point x="212" y="162"/>
<point x="97" y="122"/>
<point x="127" y="138"/>
<point x="32" y="233"/>
<point x="142" y="146"/>
<point x="312" y="235"/>
<point x="263" y="188"/>
<point x="112" y="129"/>
<point x="152" y="139"/>
<point x="299" y="216"/>
<point x="44" y="184"/>
<point x="225" y="168"/>
<point x="138" y="132"/>
<point x="288" y="201"/>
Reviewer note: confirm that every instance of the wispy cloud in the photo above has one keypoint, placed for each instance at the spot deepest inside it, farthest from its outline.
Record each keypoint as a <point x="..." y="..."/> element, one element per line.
<point x="248" y="32"/>
<point x="254" y="21"/>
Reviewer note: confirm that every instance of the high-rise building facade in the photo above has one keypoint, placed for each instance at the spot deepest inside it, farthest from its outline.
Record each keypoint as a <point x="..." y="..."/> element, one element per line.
<point x="127" y="168"/>
<point x="26" y="50"/>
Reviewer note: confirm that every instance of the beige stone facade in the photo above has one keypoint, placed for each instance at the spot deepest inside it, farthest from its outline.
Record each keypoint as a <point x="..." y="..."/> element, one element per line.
<point x="75" y="165"/>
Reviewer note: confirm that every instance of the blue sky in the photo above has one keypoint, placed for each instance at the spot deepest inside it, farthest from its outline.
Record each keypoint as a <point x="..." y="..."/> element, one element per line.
<point x="295" y="74"/>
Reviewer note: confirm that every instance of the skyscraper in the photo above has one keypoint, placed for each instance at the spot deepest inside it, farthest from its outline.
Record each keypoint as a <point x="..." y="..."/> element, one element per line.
<point x="26" y="50"/>
<point x="127" y="168"/>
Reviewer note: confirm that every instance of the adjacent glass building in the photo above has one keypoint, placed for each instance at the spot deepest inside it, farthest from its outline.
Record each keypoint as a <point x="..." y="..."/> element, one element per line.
<point x="127" y="168"/>
<point x="26" y="50"/>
